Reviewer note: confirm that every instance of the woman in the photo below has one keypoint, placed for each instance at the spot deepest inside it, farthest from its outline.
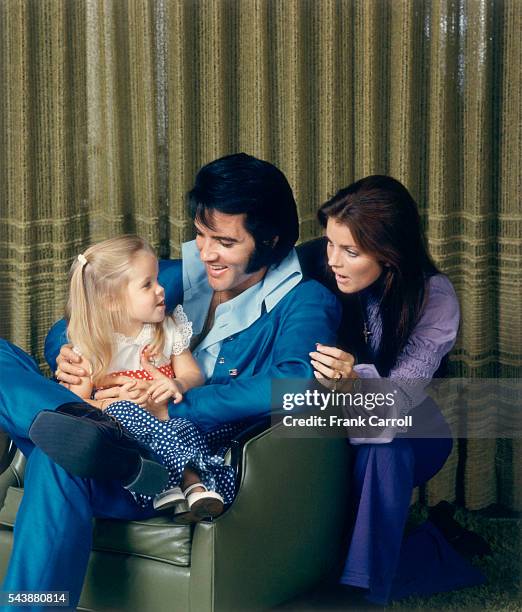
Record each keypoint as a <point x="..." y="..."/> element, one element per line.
<point x="401" y="320"/>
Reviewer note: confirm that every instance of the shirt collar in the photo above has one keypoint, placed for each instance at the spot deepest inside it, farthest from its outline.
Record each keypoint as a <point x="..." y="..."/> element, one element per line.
<point x="197" y="293"/>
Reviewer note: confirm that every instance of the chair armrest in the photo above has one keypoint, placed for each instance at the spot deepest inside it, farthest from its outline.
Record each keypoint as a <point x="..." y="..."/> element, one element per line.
<point x="13" y="476"/>
<point x="7" y="451"/>
<point x="237" y="445"/>
<point x="289" y="512"/>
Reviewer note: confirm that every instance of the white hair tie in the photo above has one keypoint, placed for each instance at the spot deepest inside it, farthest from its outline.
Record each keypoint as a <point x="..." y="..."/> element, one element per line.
<point x="82" y="259"/>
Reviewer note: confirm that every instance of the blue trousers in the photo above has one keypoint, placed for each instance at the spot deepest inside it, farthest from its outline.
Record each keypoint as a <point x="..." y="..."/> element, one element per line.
<point x="53" y="530"/>
<point x="378" y="558"/>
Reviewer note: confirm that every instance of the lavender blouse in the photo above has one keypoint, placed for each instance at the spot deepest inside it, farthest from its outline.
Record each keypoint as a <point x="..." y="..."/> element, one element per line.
<point x="431" y="339"/>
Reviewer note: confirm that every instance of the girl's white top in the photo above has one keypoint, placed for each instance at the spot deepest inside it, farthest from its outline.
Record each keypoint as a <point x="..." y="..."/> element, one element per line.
<point x="127" y="351"/>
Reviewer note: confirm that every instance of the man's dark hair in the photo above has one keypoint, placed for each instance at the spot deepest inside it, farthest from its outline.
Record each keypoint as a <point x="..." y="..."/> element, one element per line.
<point x="242" y="184"/>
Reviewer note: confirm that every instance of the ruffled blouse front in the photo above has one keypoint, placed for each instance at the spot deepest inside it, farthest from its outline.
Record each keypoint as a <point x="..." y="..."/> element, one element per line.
<point x="127" y="353"/>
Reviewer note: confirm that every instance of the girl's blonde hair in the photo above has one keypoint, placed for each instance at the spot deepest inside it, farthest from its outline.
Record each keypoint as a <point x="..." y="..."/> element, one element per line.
<point x="96" y="307"/>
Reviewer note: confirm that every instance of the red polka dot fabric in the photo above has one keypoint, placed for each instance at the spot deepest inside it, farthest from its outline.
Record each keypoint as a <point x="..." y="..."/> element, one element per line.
<point x="143" y="374"/>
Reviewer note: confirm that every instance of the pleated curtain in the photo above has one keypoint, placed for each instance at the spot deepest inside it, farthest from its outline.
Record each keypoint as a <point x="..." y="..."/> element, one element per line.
<point x="109" y="107"/>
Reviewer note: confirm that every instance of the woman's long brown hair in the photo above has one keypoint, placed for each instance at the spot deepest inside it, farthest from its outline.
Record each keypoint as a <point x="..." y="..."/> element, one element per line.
<point x="384" y="222"/>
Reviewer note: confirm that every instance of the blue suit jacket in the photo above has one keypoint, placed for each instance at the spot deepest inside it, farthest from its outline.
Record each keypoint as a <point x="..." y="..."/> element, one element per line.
<point x="276" y="345"/>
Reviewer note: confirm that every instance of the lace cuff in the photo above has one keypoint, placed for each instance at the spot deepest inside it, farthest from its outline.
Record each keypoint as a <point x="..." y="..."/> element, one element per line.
<point x="183" y="331"/>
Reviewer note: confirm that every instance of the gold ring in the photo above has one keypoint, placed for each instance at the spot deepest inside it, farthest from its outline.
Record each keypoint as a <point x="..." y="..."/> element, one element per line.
<point x="337" y="377"/>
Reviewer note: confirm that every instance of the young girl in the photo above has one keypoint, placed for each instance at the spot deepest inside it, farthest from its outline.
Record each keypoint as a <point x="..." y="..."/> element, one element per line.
<point x="118" y="325"/>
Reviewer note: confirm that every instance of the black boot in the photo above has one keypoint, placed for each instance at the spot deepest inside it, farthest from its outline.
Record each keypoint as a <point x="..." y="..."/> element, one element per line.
<point x="468" y="543"/>
<point x="89" y="443"/>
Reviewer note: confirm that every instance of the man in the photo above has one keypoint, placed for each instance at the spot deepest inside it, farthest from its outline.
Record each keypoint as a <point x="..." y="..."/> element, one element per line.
<point x="255" y="318"/>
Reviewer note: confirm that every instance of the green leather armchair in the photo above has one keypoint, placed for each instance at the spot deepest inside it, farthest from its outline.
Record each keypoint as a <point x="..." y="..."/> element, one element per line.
<point x="280" y="536"/>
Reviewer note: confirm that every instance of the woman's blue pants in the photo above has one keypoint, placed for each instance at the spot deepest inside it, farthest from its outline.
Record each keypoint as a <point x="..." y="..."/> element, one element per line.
<point x="379" y="558"/>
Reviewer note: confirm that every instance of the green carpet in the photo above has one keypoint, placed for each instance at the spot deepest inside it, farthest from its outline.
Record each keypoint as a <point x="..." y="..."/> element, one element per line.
<point x="502" y="592"/>
<point x="503" y="568"/>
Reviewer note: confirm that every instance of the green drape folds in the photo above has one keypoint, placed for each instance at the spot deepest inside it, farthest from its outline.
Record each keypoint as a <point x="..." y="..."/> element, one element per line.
<point x="108" y="108"/>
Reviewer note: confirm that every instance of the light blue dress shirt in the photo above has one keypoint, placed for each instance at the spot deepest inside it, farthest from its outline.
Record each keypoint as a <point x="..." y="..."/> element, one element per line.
<point x="237" y="314"/>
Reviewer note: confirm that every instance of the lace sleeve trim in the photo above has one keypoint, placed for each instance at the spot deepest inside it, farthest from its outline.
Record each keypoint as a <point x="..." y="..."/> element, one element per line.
<point x="183" y="333"/>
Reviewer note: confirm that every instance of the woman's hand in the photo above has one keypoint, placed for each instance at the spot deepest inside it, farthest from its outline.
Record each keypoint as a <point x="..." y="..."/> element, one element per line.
<point x="331" y="365"/>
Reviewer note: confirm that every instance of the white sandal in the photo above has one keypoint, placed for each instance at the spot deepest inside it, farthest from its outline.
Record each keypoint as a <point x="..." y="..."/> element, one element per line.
<point x="201" y="504"/>
<point x="169" y="499"/>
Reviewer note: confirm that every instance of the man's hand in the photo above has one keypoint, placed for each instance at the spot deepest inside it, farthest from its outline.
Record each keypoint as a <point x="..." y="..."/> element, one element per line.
<point x="85" y="387"/>
<point x="68" y="368"/>
<point x="83" y="390"/>
<point x="124" y="388"/>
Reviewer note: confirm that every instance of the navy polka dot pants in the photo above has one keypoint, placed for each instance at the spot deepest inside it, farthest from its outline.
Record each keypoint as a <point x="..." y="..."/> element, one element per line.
<point x="179" y="444"/>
